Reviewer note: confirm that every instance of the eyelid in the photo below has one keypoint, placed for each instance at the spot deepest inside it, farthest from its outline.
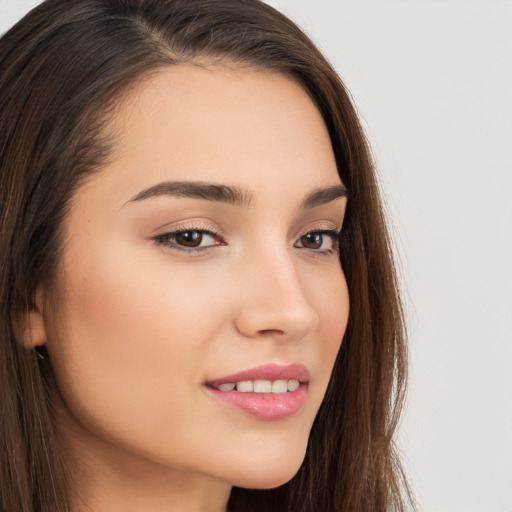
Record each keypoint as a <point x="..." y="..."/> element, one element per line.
<point x="333" y="233"/>
<point x="164" y="238"/>
<point x="188" y="225"/>
<point x="322" y="227"/>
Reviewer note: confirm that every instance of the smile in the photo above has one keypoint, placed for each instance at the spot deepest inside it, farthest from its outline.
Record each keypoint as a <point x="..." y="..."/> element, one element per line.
<point x="270" y="392"/>
<point x="261" y="386"/>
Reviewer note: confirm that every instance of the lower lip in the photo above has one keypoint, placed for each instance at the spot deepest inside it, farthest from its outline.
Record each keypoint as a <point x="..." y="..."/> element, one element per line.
<point x="264" y="406"/>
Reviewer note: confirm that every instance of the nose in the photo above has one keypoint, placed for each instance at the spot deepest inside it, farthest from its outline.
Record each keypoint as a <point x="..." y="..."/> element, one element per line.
<point x="273" y="300"/>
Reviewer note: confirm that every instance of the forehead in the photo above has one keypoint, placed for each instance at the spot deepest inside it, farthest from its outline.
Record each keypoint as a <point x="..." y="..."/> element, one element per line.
<point x="243" y="127"/>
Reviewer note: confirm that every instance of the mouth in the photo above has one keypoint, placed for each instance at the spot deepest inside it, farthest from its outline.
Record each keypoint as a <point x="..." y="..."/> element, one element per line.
<point x="269" y="392"/>
<point x="260" y="386"/>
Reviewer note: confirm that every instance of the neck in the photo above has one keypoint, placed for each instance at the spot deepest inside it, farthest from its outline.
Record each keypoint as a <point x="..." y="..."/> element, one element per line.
<point x="105" y="492"/>
<point x="105" y="477"/>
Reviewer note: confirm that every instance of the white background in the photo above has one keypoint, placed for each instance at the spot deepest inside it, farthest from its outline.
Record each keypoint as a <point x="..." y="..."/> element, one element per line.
<point x="432" y="80"/>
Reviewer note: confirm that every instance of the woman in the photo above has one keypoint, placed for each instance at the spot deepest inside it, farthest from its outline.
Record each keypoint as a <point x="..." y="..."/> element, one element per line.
<point x="199" y="307"/>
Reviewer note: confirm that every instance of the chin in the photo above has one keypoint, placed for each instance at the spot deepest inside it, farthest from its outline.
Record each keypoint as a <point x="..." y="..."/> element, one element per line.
<point x="270" y="480"/>
<point x="271" y="473"/>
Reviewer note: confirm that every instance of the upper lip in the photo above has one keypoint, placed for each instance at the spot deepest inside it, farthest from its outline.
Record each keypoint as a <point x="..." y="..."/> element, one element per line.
<point x="270" y="372"/>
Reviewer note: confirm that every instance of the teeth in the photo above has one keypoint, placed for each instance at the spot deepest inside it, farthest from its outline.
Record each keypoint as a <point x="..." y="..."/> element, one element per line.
<point x="245" y="386"/>
<point x="261" y="386"/>
<point x="228" y="386"/>
<point x="279" y="386"/>
<point x="293" y="384"/>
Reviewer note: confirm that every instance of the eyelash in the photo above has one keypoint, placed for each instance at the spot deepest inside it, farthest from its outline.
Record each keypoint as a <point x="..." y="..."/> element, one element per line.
<point x="168" y="240"/>
<point x="333" y="234"/>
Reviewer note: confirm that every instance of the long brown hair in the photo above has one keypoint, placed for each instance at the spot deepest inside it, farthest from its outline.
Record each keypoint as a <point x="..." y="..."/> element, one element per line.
<point x="62" y="68"/>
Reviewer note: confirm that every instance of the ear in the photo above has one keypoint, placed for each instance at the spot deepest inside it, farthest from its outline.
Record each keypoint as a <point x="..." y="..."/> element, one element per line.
<point x="32" y="327"/>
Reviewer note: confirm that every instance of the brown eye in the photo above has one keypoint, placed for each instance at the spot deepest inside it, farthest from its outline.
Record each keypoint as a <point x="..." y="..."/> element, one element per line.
<point x="189" y="238"/>
<point x="326" y="241"/>
<point x="312" y="240"/>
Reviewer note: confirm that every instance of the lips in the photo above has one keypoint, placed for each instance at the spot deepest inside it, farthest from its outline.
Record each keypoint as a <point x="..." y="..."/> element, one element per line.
<point x="270" y="372"/>
<point x="269" y="392"/>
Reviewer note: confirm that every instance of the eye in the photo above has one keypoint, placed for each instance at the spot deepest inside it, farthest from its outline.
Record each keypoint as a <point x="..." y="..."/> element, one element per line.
<point x="325" y="241"/>
<point x="192" y="238"/>
<point x="189" y="239"/>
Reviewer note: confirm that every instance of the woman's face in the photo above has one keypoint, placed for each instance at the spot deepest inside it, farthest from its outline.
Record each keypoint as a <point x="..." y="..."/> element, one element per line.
<point x="204" y="249"/>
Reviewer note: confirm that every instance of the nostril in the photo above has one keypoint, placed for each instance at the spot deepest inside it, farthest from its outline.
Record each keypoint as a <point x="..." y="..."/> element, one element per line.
<point x="271" y="332"/>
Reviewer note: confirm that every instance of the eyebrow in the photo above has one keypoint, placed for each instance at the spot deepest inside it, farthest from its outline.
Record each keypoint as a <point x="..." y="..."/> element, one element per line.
<point x="231" y="195"/>
<point x="197" y="190"/>
<point x="323" y="196"/>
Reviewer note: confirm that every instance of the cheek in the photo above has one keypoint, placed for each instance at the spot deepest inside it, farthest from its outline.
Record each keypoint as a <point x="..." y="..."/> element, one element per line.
<point x="336" y="312"/>
<point x="128" y="339"/>
<point x="332" y="303"/>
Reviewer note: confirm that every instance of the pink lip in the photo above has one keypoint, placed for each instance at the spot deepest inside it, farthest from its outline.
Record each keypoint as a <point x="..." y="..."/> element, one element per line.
<point x="265" y="406"/>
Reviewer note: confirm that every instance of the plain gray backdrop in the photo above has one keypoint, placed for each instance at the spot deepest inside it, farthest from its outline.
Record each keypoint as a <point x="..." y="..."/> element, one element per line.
<point x="432" y="81"/>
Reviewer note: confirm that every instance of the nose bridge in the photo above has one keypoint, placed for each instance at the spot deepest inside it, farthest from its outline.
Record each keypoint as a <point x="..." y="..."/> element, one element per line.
<point x="275" y="299"/>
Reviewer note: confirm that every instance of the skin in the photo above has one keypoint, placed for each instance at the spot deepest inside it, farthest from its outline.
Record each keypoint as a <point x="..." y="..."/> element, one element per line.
<point x="137" y="327"/>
